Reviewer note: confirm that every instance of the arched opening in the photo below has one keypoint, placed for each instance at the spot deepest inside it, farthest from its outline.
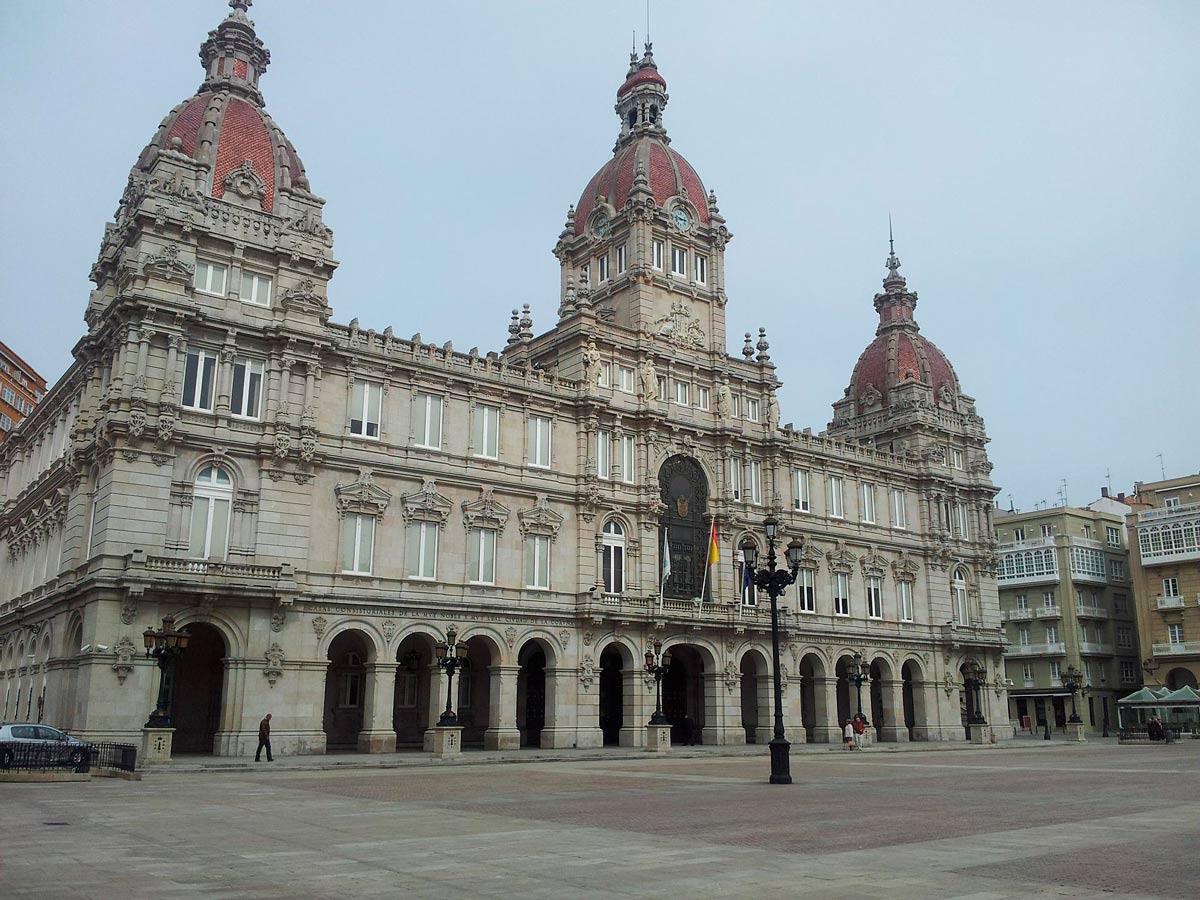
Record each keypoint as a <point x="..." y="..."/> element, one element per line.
<point x="531" y="693"/>
<point x="612" y="553"/>
<point x="849" y="694"/>
<point x="969" y="705"/>
<point x="683" y="697"/>
<point x="756" y="697"/>
<point x="212" y="499"/>
<point x="653" y="113"/>
<point x="958" y="594"/>
<point x="913" y="700"/>
<point x="1180" y="677"/>
<point x="413" y="702"/>
<point x="199" y="674"/>
<point x="881" y="686"/>
<point x="612" y="695"/>
<point x="632" y="117"/>
<point x="683" y="488"/>
<point x="812" y="698"/>
<point x="474" y="691"/>
<point x="345" y="689"/>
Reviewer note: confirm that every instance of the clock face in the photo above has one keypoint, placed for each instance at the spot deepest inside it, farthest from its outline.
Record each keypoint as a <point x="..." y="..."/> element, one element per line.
<point x="682" y="220"/>
<point x="601" y="226"/>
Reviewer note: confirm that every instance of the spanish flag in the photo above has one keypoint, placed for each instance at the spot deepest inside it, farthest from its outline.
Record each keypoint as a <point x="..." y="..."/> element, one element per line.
<point x="714" y="553"/>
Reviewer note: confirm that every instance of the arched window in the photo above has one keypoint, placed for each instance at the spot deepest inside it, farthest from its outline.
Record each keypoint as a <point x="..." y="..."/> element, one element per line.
<point x="613" y="550"/>
<point x="212" y="498"/>
<point x="958" y="593"/>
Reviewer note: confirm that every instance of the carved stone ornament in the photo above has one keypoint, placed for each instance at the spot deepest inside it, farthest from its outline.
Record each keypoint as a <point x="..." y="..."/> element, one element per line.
<point x="679" y="328"/>
<point x="165" y="430"/>
<point x="303" y="295"/>
<point x="308" y="448"/>
<point x="587" y="639"/>
<point x="873" y="565"/>
<point x="870" y="396"/>
<point x="389" y="630"/>
<point x="811" y="557"/>
<point x="129" y="606"/>
<point x="362" y="495"/>
<point x="564" y="638"/>
<point x="840" y="559"/>
<point x="486" y="512"/>
<point x="319" y="624"/>
<point x="274" y="667"/>
<point x="123" y="664"/>
<point x="283" y="445"/>
<point x="426" y="505"/>
<point x="137" y="423"/>
<point x="245" y="183"/>
<point x="733" y="677"/>
<point x="510" y="636"/>
<point x="540" y="518"/>
<point x="278" y="616"/>
<point x="168" y="266"/>
<point x="587" y="672"/>
<point x="904" y="569"/>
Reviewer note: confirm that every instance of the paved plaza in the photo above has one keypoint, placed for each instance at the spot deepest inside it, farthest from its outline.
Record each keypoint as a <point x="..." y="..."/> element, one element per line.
<point x="1031" y="821"/>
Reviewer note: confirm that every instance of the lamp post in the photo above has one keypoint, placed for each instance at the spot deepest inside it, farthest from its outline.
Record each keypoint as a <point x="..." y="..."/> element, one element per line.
<point x="451" y="656"/>
<point x="774" y="581"/>
<point x="862" y="672"/>
<point x="164" y="645"/>
<point x="974" y="680"/>
<point x="1072" y="680"/>
<point x="658" y="662"/>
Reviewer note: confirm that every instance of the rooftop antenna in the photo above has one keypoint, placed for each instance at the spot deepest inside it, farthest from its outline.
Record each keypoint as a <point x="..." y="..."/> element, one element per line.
<point x="891" y="242"/>
<point x="1062" y="491"/>
<point x="1011" y="506"/>
<point x="1108" y="478"/>
<point x="647" y="23"/>
<point x="1161" y="468"/>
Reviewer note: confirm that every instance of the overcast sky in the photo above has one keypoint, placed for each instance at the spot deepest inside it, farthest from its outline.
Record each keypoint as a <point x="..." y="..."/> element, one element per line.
<point x="1039" y="160"/>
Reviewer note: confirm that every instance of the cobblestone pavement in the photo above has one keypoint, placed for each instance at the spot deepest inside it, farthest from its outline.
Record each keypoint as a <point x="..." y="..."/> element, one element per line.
<point x="1085" y="821"/>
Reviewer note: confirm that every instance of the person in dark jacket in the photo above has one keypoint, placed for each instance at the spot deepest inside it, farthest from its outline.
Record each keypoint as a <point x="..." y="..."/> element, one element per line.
<point x="264" y="739"/>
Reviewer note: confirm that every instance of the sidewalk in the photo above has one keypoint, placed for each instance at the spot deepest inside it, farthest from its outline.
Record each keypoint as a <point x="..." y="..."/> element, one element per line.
<point x="413" y="758"/>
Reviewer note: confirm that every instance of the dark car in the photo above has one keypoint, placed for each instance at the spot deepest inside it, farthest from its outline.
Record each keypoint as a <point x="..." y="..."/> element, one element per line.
<point x="60" y="747"/>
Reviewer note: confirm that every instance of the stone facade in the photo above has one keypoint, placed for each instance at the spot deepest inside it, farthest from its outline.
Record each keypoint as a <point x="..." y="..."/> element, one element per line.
<point x="318" y="502"/>
<point x="1067" y="600"/>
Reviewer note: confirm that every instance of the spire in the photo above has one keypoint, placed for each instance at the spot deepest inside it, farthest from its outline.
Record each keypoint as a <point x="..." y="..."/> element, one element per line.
<point x="642" y="98"/>
<point x="233" y="56"/>
<point x="896" y="304"/>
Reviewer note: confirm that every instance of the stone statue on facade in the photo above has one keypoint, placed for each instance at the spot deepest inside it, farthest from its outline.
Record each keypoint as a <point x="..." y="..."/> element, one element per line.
<point x="772" y="411"/>
<point x="724" y="400"/>
<point x="591" y="366"/>
<point x="649" y="380"/>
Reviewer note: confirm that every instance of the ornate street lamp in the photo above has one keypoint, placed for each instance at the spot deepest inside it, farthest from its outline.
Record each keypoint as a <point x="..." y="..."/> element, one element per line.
<point x="774" y="582"/>
<point x="451" y="656"/>
<point x="658" y="662"/>
<point x="1072" y="680"/>
<point x="974" y="679"/>
<point x="861" y="673"/>
<point x="164" y="644"/>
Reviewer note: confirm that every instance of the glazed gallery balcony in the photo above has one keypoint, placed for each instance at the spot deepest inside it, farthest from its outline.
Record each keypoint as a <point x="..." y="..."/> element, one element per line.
<point x="1057" y="648"/>
<point x="1169" y="535"/>
<point x="1027" y="562"/>
<point x="1182" y="648"/>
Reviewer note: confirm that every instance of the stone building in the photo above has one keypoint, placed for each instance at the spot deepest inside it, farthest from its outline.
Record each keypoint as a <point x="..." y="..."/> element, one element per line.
<point x="21" y="389"/>
<point x="1164" y="540"/>
<point x="317" y="502"/>
<point x="1067" y="600"/>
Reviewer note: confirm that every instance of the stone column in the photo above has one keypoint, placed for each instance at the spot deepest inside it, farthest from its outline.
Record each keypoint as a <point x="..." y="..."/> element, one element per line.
<point x="560" y="726"/>
<point x="437" y="703"/>
<point x="892" y="696"/>
<point x="826" y="728"/>
<point x="377" y="734"/>
<point x="587" y="704"/>
<point x="637" y="705"/>
<point x="502" y="732"/>
<point x="793" y="710"/>
<point x="139" y="378"/>
<point x="722" y="712"/>
<point x="224" y="380"/>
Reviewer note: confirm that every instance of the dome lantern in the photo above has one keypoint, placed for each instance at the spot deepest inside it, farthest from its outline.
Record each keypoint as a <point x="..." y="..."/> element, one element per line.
<point x="233" y="55"/>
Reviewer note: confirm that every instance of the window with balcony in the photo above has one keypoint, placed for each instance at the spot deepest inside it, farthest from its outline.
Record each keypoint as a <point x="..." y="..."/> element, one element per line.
<point x="958" y="593"/>
<point x="1028" y="564"/>
<point x="1023" y="637"/>
<point x="212" y="500"/>
<point x="1047" y="531"/>
<point x="1170" y="587"/>
<point x="1019" y="533"/>
<point x="1022" y="602"/>
<point x="801" y="499"/>
<point x="613" y="557"/>
<point x="1175" y="634"/>
<point x="1087" y="532"/>
<point x="1172" y="503"/>
<point x="1048" y="600"/>
<point x="245" y="399"/>
<point x="1051" y="634"/>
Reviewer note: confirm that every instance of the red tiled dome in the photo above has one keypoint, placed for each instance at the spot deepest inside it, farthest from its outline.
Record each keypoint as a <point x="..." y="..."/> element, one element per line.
<point x="668" y="172"/>
<point x="642" y="76"/>
<point x="898" y="356"/>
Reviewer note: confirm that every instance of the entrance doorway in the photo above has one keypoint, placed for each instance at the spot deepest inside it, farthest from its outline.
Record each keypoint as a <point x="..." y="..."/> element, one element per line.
<point x="683" y="695"/>
<point x="912" y="700"/>
<point x="612" y="696"/>
<point x="531" y="694"/>
<point x="345" y="688"/>
<point x="199" y="675"/>
<point x="410" y="712"/>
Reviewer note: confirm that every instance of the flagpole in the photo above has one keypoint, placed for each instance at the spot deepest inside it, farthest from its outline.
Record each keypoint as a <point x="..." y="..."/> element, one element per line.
<point x="664" y="567"/>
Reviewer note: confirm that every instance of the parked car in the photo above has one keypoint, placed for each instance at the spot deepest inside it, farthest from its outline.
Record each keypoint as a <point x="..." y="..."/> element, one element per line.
<point x="62" y="748"/>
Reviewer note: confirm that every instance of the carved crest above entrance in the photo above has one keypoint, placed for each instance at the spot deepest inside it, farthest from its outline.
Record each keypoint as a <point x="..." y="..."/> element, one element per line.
<point x="679" y="328"/>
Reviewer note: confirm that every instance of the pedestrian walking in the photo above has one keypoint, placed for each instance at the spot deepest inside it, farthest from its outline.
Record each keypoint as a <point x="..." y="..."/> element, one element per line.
<point x="860" y="731"/>
<point x="848" y="734"/>
<point x="264" y="739"/>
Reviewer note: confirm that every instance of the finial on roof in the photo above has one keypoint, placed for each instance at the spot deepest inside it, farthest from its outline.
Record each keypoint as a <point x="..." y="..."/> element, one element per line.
<point x="243" y="5"/>
<point x="748" y="349"/>
<point x="894" y="278"/>
<point x="514" y="330"/>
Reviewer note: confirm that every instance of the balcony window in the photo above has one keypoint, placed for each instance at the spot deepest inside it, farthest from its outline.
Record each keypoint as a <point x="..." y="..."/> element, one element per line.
<point x="212" y="499"/>
<point x="1175" y="634"/>
<point x="245" y="399"/>
<point x="1022" y="602"/>
<point x="199" y="377"/>
<point x="1170" y="587"/>
<point x="613" y="557"/>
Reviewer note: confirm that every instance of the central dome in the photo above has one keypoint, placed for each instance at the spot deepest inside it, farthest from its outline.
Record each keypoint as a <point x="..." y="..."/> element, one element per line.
<point x="642" y="147"/>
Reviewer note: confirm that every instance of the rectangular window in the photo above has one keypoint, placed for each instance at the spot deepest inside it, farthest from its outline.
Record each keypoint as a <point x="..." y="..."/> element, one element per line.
<point x="752" y="409"/>
<point x="1124" y="637"/>
<point x="537" y="561"/>
<point x="735" y="405"/>
<point x="604" y="454"/>
<point x="365" y="402"/>
<point x="1047" y="531"/>
<point x="427" y="424"/>
<point x="801" y="499"/>
<point x="1170" y="587"/>
<point x="1018" y="533"/>
<point x="199" y="376"/>
<point x="602" y="268"/>
<point x="358" y="543"/>
<point x="487" y="431"/>
<point x="627" y="460"/>
<point x="1129" y="674"/>
<point x="701" y="266"/>
<point x="1175" y="634"/>
<point x="904" y="596"/>
<point x="702" y="400"/>
<point x="1022" y="602"/>
<point x="1113" y="536"/>
<point x="836" y="510"/>
<point x="1119" y="603"/>
<point x="735" y="478"/>
<point x="625" y="382"/>
<point x="208" y="537"/>
<point x="962" y="522"/>
<point x="1027" y="671"/>
<point x="209" y="278"/>
<point x="481" y="564"/>
<point x="422" y="550"/>
<point x="806" y="591"/>
<point x="841" y="594"/>
<point x="1172" y="503"/>
<point x="678" y="261"/>
<point x="605" y="373"/>
<point x="539" y="442"/>
<point x="1051" y="634"/>
<point x="754" y="488"/>
<point x="867" y="492"/>
<point x="899" y="513"/>
<point x="745" y="582"/>
<point x="1055" y="671"/>
<point x="5" y="422"/>
<point x="657" y="254"/>
<point x="1023" y="637"/>
<point x="661" y="387"/>
<point x="874" y="597"/>
<point x="255" y="289"/>
<point x="621" y="259"/>
<point x="9" y="395"/>
<point x="683" y="393"/>
<point x="246" y="397"/>
<point x="1087" y="532"/>
<point x="956" y="458"/>
<point x="1116" y="568"/>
